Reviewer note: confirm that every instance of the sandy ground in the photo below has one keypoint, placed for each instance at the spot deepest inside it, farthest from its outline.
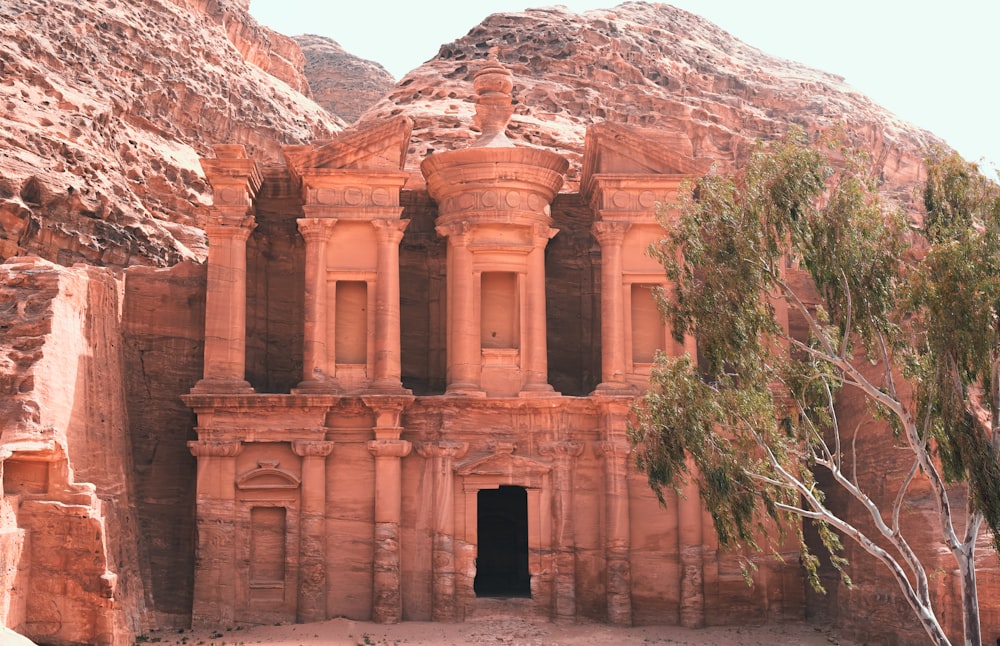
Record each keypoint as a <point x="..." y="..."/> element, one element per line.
<point x="496" y="631"/>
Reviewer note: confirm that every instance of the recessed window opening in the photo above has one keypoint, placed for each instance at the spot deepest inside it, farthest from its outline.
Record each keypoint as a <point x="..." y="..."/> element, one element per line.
<point x="351" y="328"/>
<point x="499" y="313"/>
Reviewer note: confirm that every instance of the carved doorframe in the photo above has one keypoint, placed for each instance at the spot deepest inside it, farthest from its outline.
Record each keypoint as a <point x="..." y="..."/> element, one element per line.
<point x="266" y="486"/>
<point x="491" y="472"/>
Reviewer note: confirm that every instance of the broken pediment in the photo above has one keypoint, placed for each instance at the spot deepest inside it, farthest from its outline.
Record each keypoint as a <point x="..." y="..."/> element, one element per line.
<point x="615" y="149"/>
<point x="379" y="147"/>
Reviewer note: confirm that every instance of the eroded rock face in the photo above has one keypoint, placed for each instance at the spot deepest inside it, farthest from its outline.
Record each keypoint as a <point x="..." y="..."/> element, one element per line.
<point x="648" y="65"/>
<point x="68" y="536"/>
<point x="341" y="82"/>
<point x="105" y="107"/>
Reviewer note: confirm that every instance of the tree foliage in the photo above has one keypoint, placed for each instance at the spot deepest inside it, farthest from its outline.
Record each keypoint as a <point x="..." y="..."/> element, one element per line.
<point x="917" y="305"/>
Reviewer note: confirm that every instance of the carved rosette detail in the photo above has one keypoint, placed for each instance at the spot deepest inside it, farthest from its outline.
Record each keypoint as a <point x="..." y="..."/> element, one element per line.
<point x="215" y="448"/>
<point x="312" y="448"/>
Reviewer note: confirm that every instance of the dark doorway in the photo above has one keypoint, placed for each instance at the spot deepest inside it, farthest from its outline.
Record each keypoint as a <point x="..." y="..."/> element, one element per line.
<point x="502" y="563"/>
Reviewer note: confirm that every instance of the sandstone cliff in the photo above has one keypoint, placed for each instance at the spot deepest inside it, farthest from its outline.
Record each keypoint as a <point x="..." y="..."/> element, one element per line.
<point x="648" y="65"/>
<point x="342" y="83"/>
<point x="68" y="531"/>
<point x="105" y="107"/>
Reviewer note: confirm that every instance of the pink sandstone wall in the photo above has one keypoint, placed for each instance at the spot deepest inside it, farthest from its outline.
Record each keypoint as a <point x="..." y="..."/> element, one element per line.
<point x="163" y="328"/>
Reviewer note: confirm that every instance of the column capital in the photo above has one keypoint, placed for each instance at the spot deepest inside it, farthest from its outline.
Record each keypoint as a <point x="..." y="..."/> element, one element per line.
<point x="312" y="448"/>
<point x="615" y="448"/>
<point x="454" y="230"/>
<point x="390" y="448"/>
<point x="561" y="449"/>
<point x="543" y="232"/>
<point x="442" y="449"/>
<point x="223" y="225"/>
<point x="610" y="231"/>
<point x="318" y="229"/>
<point x="215" y="448"/>
<point x="390" y="231"/>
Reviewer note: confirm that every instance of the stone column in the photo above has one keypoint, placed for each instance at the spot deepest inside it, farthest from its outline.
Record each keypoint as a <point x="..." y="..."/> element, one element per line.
<point x="618" y="570"/>
<point x="312" y="530"/>
<point x="534" y="349"/>
<point x="215" y="554"/>
<point x="464" y="349"/>
<point x="443" y="546"/>
<point x="388" y="449"/>
<point x="563" y="540"/>
<point x="690" y="538"/>
<point x="317" y="373"/>
<point x="235" y="180"/>
<point x="226" y="307"/>
<point x="387" y="359"/>
<point x="610" y="235"/>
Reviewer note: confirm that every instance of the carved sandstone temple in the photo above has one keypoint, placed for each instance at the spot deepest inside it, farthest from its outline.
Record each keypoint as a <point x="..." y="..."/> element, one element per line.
<point x="454" y="443"/>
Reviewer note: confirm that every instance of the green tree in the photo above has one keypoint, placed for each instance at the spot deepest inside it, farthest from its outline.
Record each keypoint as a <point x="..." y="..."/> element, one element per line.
<point x="915" y="305"/>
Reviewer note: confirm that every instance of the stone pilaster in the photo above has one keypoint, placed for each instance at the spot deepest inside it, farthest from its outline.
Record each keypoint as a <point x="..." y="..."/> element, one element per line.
<point x="312" y="530"/>
<point x="610" y="235"/>
<point x="617" y="452"/>
<point x="690" y="538"/>
<point x="317" y="373"/>
<point x="534" y="355"/>
<point x="563" y="540"/>
<point x="387" y="370"/>
<point x="618" y="570"/>
<point x="389" y="450"/>
<point x="215" y="553"/>
<point x="442" y="454"/>
<point x="387" y="602"/>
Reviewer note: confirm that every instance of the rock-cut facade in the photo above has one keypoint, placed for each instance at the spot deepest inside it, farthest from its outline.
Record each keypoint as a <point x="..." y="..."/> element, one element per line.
<point x="472" y="342"/>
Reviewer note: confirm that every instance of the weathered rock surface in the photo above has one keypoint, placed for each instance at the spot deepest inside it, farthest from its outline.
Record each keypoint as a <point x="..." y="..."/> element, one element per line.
<point x="68" y="536"/>
<point x="341" y="82"/>
<point x="648" y="65"/>
<point x="105" y="107"/>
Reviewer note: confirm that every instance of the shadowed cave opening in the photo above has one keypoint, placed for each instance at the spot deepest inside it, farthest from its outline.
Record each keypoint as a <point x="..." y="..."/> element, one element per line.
<point x="502" y="562"/>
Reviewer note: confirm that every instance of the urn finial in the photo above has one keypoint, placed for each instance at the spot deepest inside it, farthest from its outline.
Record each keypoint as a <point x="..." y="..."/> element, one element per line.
<point x="493" y="84"/>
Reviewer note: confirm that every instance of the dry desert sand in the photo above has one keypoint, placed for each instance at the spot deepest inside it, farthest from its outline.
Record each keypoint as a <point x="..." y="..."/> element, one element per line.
<point x="495" y="631"/>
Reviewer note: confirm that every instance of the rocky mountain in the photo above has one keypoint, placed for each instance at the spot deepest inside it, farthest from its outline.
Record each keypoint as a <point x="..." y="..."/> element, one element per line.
<point x="344" y="84"/>
<point x="105" y="107"/>
<point x="648" y="65"/>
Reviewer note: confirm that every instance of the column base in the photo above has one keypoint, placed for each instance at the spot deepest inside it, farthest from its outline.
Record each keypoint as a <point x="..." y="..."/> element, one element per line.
<point x="388" y="387"/>
<point x="318" y="386"/>
<point x="222" y="386"/>
<point x="619" y="388"/>
<point x="538" y="390"/>
<point x="464" y="390"/>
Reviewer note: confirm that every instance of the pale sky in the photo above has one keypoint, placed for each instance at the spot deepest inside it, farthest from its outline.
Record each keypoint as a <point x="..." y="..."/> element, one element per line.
<point x="934" y="64"/>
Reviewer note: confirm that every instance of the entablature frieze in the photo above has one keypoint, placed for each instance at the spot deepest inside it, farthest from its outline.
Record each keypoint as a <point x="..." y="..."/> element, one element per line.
<point x="352" y="188"/>
<point x="633" y="194"/>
